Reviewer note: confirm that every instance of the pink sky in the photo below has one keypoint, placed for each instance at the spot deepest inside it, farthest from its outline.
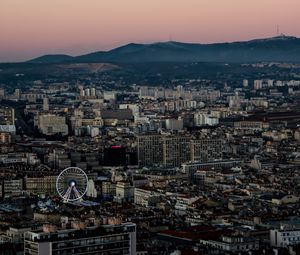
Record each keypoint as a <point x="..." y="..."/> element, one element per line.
<point x="29" y="28"/>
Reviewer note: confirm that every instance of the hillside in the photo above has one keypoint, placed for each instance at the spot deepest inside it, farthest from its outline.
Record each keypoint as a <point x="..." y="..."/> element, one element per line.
<point x="280" y="48"/>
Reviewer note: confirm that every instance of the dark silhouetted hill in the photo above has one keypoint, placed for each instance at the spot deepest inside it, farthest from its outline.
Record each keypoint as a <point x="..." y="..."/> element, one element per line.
<point x="280" y="48"/>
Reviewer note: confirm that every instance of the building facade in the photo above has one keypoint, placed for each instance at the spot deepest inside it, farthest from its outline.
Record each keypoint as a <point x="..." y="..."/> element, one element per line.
<point x="284" y="237"/>
<point x="51" y="124"/>
<point x="41" y="185"/>
<point x="150" y="150"/>
<point x="174" y="150"/>
<point x="205" y="150"/>
<point x="106" y="239"/>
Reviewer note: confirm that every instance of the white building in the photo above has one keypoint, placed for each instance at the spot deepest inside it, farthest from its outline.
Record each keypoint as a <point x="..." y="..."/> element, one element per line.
<point x="212" y="121"/>
<point x="284" y="237"/>
<point x="258" y="84"/>
<point x="46" y="104"/>
<point x="270" y="83"/>
<point x="93" y="92"/>
<point x="124" y="192"/>
<point x="87" y="92"/>
<point x="82" y="92"/>
<point x="182" y="204"/>
<point x="93" y="131"/>
<point x="109" y="95"/>
<point x="91" y="190"/>
<point x="232" y="244"/>
<point x="145" y="197"/>
<point x="202" y="119"/>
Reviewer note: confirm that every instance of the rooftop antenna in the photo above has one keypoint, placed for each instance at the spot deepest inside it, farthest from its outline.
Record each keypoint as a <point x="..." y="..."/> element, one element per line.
<point x="278" y="30"/>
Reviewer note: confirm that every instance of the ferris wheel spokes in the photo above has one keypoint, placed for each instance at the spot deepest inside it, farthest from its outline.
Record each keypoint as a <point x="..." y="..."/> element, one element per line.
<point x="67" y="195"/>
<point x="76" y="192"/>
<point x="71" y="184"/>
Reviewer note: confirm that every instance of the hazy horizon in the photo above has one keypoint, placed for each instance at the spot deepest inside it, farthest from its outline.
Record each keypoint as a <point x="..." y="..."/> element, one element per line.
<point x="33" y="28"/>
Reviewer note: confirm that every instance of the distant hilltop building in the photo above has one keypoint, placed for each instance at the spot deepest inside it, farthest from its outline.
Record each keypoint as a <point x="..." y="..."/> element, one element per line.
<point x="88" y="93"/>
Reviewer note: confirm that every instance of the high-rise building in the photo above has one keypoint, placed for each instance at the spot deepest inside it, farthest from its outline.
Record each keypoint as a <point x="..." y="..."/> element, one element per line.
<point x="205" y="150"/>
<point x="258" y="84"/>
<point x="245" y="83"/>
<point x="93" y="92"/>
<point x="87" y="92"/>
<point x="173" y="150"/>
<point x="46" y="104"/>
<point x="150" y="150"/>
<point x="176" y="150"/>
<point x="200" y="119"/>
<point x="82" y="92"/>
<point x="105" y="239"/>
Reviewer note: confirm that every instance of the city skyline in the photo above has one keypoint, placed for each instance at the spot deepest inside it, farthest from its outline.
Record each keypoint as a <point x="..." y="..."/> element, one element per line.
<point x="32" y="28"/>
<point x="149" y="127"/>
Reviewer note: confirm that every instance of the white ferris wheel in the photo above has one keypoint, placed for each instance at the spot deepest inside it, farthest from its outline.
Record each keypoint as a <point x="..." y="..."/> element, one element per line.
<point x="72" y="184"/>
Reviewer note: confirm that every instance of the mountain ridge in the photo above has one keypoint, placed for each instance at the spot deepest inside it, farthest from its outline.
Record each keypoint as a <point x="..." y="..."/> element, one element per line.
<point x="278" y="48"/>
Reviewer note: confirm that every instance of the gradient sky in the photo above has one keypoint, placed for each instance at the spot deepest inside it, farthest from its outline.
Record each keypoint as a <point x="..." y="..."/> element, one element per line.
<point x="29" y="28"/>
